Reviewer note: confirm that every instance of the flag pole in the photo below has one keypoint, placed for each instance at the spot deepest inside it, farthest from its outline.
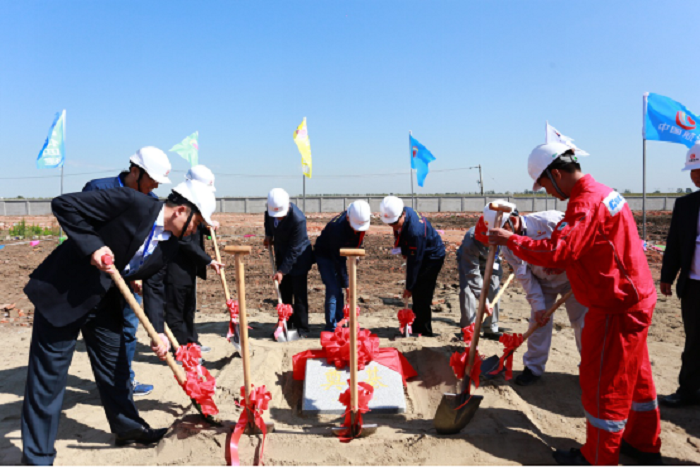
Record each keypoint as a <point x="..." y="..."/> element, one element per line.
<point x="644" y="166"/>
<point x="413" y="196"/>
<point x="303" y="178"/>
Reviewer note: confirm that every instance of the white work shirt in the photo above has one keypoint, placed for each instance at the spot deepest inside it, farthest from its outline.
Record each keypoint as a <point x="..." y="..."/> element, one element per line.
<point x="157" y="234"/>
<point x="538" y="226"/>
<point x="695" y="266"/>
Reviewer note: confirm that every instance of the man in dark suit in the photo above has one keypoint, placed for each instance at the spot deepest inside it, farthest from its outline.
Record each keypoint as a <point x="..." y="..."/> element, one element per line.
<point x="683" y="254"/>
<point x="148" y="168"/>
<point x="73" y="293"/>
<point x="190" y="262"/>
<point x="285" y="228"/>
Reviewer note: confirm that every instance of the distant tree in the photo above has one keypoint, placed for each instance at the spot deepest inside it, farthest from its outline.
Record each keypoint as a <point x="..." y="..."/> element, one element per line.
<point x="688" y="190"/>
<point x="627" y="191"/>
<point x="679" y="190"/>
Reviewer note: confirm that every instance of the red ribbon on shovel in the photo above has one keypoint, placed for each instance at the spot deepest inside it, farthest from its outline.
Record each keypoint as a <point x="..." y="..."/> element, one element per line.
<point x="459" y="360"/>
<point x="346" y="316"/>
<point x="510" y="342"/>
<point x="258" y="402"/>
<point x="200" y="384"/>
<point x="283" y="314"/>
<point x="352" y="430"/>
<point x="234" y="311"/>
<point x="406" y="318"/>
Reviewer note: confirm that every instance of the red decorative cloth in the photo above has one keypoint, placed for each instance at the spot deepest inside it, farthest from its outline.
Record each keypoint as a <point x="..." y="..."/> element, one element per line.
<point x="283" y="314"/>
<point x="336" y="351"/>
<point x="458" y="362"/>
<point x="406" y="319"/>
<point x="234" y="311"/>
<point x="200" y="384"/>
<point x="352" y="430"/>
<point x="346" y="316"/>
<point x="468" y="333"/>
<point x="258" y="402"/>
<point x="510" y="343"/>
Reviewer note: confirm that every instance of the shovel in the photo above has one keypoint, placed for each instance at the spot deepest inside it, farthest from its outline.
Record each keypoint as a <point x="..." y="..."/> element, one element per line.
<point x="364" y="430"/>
<point x="497" y="298"/>
<point x="238" y="252"/>
<point x="406" y="332"/>
<point x="236" y="338"/>
<point x="489" y="367"/>
<point x="138" y="311"/>
<point x="456" y="410"/>
<point x="287" y="334"/>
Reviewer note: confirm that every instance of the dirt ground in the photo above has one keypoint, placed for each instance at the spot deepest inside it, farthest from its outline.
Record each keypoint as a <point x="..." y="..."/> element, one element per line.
<point x="514" y="425"/>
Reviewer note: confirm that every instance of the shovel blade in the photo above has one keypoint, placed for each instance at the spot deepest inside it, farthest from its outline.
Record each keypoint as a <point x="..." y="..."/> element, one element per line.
<point x="367" y="430"/>
<point x="448" y="419"/>
<point x="489" y="368"/>
<point x="292" y="335"/>
<point x="236" y="339"/>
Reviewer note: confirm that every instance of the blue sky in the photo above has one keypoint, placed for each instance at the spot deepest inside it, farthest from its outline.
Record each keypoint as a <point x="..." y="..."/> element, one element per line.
<point x="475" y="81"/>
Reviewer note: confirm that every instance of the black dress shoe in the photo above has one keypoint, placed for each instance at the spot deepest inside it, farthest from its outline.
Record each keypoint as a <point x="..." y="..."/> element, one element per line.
<point x="526" y="378"/>
<point x="143" y="435"/>
<point x="571" y="457"/>
<point x="642" y="458"/>
<point x="677" y="399"/>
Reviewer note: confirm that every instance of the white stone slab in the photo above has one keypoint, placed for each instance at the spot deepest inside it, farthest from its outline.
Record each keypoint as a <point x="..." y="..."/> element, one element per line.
<point x="324" y="384"/>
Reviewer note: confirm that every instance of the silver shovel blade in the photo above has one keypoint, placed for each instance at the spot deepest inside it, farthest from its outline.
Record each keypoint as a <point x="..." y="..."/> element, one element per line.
<point x="236" y="339"/>
<point x="450" y="420"/>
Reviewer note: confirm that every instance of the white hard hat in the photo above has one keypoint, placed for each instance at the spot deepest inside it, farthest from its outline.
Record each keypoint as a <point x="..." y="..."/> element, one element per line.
<point x="359" y="214"/>
<point x="692" y="159"/>
<point x="201" y="173"/>
<point x="541" y="157"/>
<point x="200" y="195"/>
<point x="154" y="162"/>
<point x="391" y="209"/>
<point x="277" y="202"/>
<point x="490" y="216"/>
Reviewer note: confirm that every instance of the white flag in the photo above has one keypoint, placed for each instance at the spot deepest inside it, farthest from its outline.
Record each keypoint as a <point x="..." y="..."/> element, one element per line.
<point x="553" y="136"/>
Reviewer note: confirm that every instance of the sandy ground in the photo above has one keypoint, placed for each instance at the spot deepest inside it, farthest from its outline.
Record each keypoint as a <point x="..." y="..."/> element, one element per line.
<point x="514" y="425"/>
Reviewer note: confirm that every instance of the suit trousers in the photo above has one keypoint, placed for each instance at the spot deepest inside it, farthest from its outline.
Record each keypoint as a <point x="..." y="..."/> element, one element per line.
<point x="689" y="378"/>
<point x="50" y="356"/>
<point x="180" y="309"/>
<point x="294" y="291"/>
<point x="422" y="295"/>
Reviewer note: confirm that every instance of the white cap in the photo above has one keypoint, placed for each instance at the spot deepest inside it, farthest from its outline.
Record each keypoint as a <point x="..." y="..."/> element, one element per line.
<point x="692" y="159"/>
<point x="277" y="202"/>
<point x="490" y="216"/>
<point x="154" y="162"/>
<point x="201" y="173"/>
<point x="359" y="214"/>
<point x="200" y="195"/>
<point x="391" y="209"/>
<point x="541" y="157"/>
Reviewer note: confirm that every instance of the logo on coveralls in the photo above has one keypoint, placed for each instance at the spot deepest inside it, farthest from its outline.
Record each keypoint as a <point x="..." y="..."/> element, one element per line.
<point x="562" y="226"/>
<point x="614" y="202"/>
<point x="684" y="121"/>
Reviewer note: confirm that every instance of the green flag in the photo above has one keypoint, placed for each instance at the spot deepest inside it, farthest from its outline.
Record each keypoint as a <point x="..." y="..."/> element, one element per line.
<point x="188" y="149"/>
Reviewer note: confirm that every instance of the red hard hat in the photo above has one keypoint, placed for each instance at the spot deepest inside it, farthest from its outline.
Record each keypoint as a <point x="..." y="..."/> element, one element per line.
<point x="481" y="232"/>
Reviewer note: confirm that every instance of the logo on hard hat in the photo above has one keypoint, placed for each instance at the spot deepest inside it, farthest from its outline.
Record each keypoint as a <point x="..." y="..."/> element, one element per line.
<point x="414" y="151"/>
<point x="693" y="157"/>
<point x="277" y="209"/>
<point x="684" y="121"/>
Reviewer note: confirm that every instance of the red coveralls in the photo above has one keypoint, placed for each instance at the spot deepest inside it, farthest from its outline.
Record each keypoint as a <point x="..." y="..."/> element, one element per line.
<point x="598" y="244"/>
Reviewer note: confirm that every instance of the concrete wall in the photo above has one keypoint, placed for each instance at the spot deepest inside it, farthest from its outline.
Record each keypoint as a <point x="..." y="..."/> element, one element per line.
<point x="316" y="204"/>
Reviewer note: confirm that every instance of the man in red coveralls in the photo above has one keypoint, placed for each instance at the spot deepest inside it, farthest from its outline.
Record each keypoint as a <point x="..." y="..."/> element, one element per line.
<point x="598" y="245"/>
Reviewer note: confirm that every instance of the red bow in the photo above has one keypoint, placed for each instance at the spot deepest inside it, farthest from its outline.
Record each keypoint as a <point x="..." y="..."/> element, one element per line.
<point x="258" y="401"/>
<point x="458" y="362"/>
<point x="283" y="314"/>
<point x="233" y="310"/>
<point x="406" y="319"/>
<point x="365" y="391"/>
<point x="510" y="342"/>
<point x="337" y="347"/>
<point x="200" y="385"/>
<point x="468" y="333"/>
<point x="346" y="315"/>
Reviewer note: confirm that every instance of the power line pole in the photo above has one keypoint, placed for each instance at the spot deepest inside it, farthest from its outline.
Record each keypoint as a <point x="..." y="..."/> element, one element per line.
<point x="481" y="179"/>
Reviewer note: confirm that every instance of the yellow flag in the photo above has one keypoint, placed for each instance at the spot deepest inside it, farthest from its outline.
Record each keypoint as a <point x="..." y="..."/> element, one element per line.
<point x="301" y="137"/>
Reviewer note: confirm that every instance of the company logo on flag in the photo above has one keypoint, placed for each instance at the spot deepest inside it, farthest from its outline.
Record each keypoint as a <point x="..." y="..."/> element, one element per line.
<point x="420" y="158"/>
<point x="301" y="138"/>
<point x="53" y="153"/>
<point x="188" y="149"/>
<point x="668" y="120"/>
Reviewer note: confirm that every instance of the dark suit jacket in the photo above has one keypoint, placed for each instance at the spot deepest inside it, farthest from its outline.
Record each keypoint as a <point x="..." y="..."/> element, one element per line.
<point x="66" y="286"/>
<point x="680" y="244"/>
<point x="293" y="252"/>
<point x="191" y="261"/>
<point x="110" y="182"/>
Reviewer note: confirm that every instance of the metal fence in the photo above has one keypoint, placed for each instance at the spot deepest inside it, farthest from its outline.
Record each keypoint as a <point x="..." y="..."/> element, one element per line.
<point x="333" y="204"/>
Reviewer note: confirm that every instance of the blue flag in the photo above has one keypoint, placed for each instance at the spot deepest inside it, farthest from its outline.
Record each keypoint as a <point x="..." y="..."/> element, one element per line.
<point x="420" y="158"/>
<point x="53" y="153"/>
<point x="668" y="120"/>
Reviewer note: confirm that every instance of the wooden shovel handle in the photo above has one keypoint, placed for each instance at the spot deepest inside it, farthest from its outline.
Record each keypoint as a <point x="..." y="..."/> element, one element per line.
<point x="548" y="314"/>
<point x="222" y="274"/>
<point x="238" y="249"/>
<point x="352" y="252"/>
<point x="502" y="289"/>
<point x="500" y="208"/>
<point x="138" y="311"/>
<point x="272" y="264"/>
